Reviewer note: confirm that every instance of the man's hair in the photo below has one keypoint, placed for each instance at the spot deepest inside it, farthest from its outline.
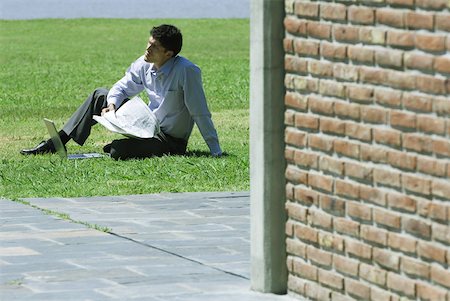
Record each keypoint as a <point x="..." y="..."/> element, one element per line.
<point x="169" y="36"/>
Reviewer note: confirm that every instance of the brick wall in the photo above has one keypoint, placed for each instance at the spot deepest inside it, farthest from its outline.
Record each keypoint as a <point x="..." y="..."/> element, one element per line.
<point x="368" y="149"/>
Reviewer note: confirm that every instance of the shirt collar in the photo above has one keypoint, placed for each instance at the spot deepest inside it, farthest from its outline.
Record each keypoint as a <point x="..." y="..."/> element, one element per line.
<point x="165" y="69"/>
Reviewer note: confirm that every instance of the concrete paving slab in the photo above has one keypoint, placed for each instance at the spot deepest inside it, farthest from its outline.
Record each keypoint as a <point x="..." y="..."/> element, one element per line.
<point x="186" y="246"/>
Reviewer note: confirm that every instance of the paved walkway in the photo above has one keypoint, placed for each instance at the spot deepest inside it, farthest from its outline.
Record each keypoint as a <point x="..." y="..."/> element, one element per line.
<point x="147" y="9"/>
<point x="186" y="246"/>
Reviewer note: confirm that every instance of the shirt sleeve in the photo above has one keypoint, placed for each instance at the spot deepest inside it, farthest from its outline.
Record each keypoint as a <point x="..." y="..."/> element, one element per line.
<point x="194" y="97"/>
<point x="129" y="85"/>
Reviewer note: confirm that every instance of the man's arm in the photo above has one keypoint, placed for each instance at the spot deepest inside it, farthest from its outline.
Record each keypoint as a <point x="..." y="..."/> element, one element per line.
<point x="194" y="97"/>
<point x="129" y="85"/>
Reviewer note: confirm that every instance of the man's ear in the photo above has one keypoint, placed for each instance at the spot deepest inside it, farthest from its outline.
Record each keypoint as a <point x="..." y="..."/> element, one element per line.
<point x="169" y="53"/>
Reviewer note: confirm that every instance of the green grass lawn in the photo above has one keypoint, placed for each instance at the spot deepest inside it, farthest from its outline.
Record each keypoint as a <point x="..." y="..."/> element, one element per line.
<point x="48" y="67"/>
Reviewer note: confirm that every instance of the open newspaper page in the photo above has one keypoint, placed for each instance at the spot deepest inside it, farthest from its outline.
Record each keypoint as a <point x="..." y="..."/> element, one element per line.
<point x="133" y="119"/>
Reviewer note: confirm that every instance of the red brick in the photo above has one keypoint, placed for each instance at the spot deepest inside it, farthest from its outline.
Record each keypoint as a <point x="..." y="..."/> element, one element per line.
<point x="417" y="142"/>
<point x="438" y="212"/>
<point x="290" y="191"/>
<point x="333" y="51"/>
<point x="302" y="83"/>
<point x="306" y="121"/>
<point x="296" y="101"/>
<point x="332" y="125"/>
<point x="442" y="64"/>
<point x="320" y="68"/>
<point x="361" y="15"/>
<point x="331" y="279"/>
<point x="387" y="218"/>
<point x="295" y="64"/>
<point x="417" y="227"/>
<point x="358" y="131"/>
<point x="332" y="165"/>
<point x="305" y="270"/>
<point x="432" y="251"/>
<point x="295" y="175"/>
<point x="441" y="147"/>
<point x="373" y="75"/>
<point x="289" y="117"/>
<point x="347" y="148"/>
<point x="346" y="226"/>
<point x="443" y="21"/>
<point x="441" y="188"/>
<point x="401" y="202"/>
<point x="346" y="265"/>
<point x="377" y="294"/>
<point x="296" y="247"/>
<point x="357" y="289"/>
<point x="306" y="159"/>
<point x="374" y="235"/>
<point x="401" y="119"/>
<point x="431" y="84"/>
<point x="347" y="110"/>
<point x="321" y="219"/>
<point x="374" y="153"/>
<point x="313" y="290"/>
<point x="415" y="267"/>
<point x="305" y="233"/>
<point x="402" y="242"/>
<point x="431" y="166"/>
<point x="331" y="241"/>
<point x="320" y="142"/>
<point x="361" y="54"/>
<point x="319" y="257"/>
<point x="345" y="33"/>
<point x="387" y="136"/>
<point x="358" y="171"/>
<point x="305" y="196"/>
<point x="432" y="4"/>
<point x="386" y="259"/>
<point x="372" y="274"/>
<point x="418" y="60"/>
<point x="388" y="97"/>
<point x="359" y="211"/>
<point x="319" y="30"/>
<point x="295" y="137"/>
<point x="419" y="20"/>
<point x="332" y="88"/>
<point x="346" y="72"/>
<point x="372" y="35"/>
<point x="401" y="284"/>
<point x="329" y="11"/>
<point x="430" y="42"/>
<point x="387" y="177"/>
<point x="416" y="184"/>
<point x="295" y="26"/>
<point x="306" y="9"/>
<point x="372" y="195"/>
<point x="296" y="284"/>
<point x="347" y="189"/>
<point x="289" y="229"/>
<point x="401" y="80"/>
<point x="288" y="45"/>
<point x="332" y="205"/>
<point x="440" y="275"/>
<point x="296" y="211"/>
<point x="390" y="17"/>
<point x="306" y="47"/>
<point x="358" y="93"/>
<point x="402" y="160"/>
<point x="441" y="233"/>
<point x="401" y="2"/>
<point x="431" y="124"/>
<point x="430" y="292"/>
<point x="374" y="114"/>
<point x="400" y="38"/>
<point x="418" y="102"/>
<point x="289" y="154"/>
<point x="320" y="182"/>
<point x="389" y="58"/>
<point x="321" y="105"/>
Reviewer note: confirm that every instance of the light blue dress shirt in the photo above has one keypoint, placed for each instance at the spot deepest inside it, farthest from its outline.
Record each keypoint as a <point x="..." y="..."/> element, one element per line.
<point x="176" y="96"/>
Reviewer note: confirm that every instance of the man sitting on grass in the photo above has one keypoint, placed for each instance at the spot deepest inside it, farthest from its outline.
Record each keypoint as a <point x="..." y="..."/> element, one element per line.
<point x="175" y="90"/>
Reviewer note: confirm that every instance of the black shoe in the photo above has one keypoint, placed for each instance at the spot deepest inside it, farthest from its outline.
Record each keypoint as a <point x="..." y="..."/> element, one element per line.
<point x="42" y="148"/>
<point x="107" y="148"/>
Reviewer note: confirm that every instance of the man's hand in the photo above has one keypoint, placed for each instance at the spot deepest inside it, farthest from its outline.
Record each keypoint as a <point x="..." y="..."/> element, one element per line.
<point x="110" y="107"/>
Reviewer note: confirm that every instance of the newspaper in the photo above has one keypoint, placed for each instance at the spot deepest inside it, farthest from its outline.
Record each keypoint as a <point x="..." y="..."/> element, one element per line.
<point x="133" y="119"/>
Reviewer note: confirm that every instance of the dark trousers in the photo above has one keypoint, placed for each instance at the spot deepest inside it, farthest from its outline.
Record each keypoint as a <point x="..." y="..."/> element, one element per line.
<point x="78" y="127"/>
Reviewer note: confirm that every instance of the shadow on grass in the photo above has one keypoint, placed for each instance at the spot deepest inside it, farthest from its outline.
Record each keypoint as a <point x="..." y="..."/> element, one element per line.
<point x="199" y="153"/>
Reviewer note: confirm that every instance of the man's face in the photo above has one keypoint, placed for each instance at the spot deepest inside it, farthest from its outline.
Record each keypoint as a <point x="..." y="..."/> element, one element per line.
<point x="156" y="53"/>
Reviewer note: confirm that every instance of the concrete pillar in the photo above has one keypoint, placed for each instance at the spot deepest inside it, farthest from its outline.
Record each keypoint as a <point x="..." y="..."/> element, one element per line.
<point x="267" y="165"/>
